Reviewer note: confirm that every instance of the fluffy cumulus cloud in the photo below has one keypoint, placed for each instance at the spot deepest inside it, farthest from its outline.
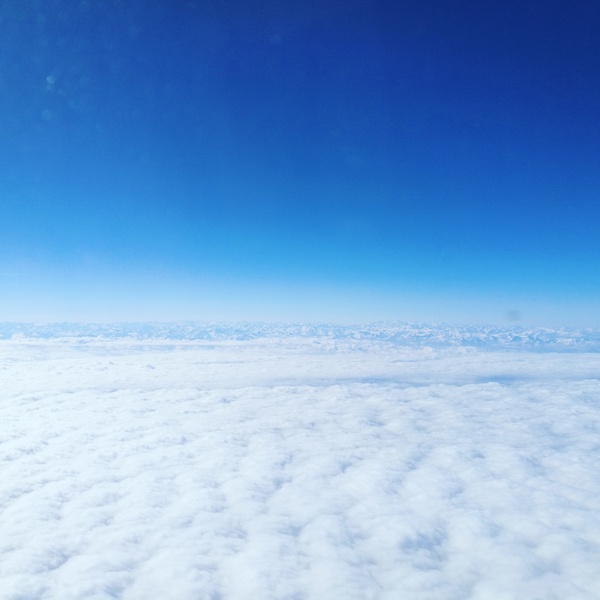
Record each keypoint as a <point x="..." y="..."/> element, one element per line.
<point x="311" y="465"/>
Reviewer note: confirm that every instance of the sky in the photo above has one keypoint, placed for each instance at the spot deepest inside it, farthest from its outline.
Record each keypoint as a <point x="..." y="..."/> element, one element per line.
<point x="314" y="160"/>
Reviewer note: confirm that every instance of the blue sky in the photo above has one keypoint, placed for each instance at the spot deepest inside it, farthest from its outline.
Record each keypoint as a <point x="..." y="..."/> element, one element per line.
<point x="422" y="161"/>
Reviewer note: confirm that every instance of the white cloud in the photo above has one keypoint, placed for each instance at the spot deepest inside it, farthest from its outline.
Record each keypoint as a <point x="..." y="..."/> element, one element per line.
<point x="297" y="467"/>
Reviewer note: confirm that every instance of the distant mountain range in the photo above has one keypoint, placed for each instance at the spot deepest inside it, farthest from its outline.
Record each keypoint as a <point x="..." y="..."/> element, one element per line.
<point x="541" y="339"/>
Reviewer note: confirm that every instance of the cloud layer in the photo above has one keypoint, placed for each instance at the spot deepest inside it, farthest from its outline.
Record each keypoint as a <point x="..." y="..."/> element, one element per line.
<point x="309" y="467"/>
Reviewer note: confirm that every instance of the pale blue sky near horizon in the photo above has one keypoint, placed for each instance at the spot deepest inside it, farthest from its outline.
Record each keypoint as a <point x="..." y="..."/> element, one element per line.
<point x="270" y="160"/>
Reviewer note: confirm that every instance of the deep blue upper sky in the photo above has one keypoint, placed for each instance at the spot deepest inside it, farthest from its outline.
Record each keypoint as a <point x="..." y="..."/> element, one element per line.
<point x="420" y="160"/>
